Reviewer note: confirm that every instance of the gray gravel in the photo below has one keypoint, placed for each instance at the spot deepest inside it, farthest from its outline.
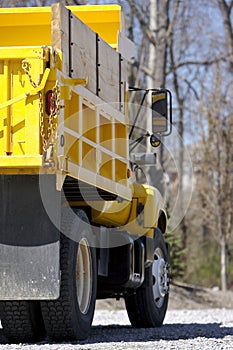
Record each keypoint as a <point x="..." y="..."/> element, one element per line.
<point x="190" y="329"/>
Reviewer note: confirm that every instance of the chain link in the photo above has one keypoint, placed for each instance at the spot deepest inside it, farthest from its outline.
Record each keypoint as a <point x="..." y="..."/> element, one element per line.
<point x="55" y="109"/>
<point x="26" y="68"/>
<point x="42" y="124"/>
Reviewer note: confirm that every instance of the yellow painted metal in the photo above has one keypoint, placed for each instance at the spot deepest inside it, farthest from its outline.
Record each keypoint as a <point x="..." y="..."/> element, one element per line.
<point x="19" y="105"/>
<point x="31" y="92"/>
<point x="21" y="52"/>
<point x="154" y="203"/>
<point x="111" y="213"/>
<point x="7" y="121"/>
<point x="126" y="215"/>
<point x="72" y="82"/>
<point x="32" y="26"/>
<point x="96" y="143"/>
<point x="17" y="162"/>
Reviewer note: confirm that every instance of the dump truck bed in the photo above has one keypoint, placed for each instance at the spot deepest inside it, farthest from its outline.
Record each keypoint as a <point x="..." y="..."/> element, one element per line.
<point x="62" y="98"/>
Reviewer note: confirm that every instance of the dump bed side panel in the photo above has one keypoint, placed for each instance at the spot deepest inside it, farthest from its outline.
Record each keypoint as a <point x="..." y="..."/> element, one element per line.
<point x="21" y="71"/>
<point x="86" y="55"/>
<point x="93" y="121"/>
<point x="32" y="26"/>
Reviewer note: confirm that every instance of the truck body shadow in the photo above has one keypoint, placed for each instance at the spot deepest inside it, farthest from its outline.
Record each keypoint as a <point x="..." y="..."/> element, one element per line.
<point x="169" y="332"/>
<point x="114" y="333"/>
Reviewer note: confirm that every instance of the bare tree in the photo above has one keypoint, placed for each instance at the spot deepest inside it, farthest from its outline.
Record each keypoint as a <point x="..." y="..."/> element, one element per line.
<point x="216" y="165"/>
<point x="186" y="73"/>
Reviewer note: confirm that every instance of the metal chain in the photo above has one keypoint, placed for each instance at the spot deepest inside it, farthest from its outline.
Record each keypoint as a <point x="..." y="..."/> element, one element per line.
<point x="54" y="111"/>
<point x="26" y="67"/>
<point x="42" y="124"/>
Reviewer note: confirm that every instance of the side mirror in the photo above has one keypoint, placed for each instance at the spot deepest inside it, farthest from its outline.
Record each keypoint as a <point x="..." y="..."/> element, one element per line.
<point x="161" y="112"/>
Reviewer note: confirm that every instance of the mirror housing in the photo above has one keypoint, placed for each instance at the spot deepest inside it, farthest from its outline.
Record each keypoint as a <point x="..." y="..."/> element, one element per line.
<point x="161" y="112"/>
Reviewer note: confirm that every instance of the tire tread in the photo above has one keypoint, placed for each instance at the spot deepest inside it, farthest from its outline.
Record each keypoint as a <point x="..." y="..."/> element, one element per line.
<point x="22" y="321"/>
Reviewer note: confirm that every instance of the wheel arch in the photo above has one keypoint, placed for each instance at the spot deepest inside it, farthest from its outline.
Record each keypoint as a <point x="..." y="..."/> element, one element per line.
<point x="162" y="221"/>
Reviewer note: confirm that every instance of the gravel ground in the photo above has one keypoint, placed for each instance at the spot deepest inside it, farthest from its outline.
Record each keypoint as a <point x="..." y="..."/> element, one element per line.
<point x="189" y="329"/>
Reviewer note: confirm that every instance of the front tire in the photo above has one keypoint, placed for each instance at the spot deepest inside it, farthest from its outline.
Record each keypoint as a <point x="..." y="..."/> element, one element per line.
<point x="70" y="317"/>
<point x="147" y="306"/>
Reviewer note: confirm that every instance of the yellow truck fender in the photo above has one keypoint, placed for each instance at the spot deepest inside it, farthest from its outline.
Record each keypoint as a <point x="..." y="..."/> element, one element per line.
<point x="138" y="216"/>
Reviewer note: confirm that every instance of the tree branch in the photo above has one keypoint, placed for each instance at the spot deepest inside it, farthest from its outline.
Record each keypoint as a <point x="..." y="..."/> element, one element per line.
<point x="198" y="63"/>
<point x="230" y="5"/>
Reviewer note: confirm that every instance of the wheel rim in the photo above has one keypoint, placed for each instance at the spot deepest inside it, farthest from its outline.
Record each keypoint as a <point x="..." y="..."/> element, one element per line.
<point x="84" y="275"/>
<point x="160" y="274"/>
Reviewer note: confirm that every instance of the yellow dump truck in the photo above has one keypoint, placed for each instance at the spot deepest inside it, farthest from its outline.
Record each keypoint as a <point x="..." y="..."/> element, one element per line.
<point x="74" y="223"/>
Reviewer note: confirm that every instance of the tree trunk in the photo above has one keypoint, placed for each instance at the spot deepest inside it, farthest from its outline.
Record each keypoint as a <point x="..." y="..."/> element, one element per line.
<point x="161" y="47"/>
<point x="159" y="71"/>
<point x="223" y="265"/>
<point x="180" y="101"/>
<point x="226" y="16"/>
<point x="151" y="62"/>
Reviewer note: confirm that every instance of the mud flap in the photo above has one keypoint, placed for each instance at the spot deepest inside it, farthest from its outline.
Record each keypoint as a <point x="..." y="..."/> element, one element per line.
<point x="29" y="238"/>
<point x="29" y="273"/>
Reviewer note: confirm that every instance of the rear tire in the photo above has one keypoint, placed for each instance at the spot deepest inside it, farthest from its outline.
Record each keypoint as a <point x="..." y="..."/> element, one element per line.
<point x="147" y="306"/>
<point x="70" y="317"/>
<point x="22" y="321"/>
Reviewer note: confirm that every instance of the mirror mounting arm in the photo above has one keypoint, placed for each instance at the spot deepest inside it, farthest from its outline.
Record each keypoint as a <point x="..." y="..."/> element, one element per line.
<point x="139" y="109"/>
<point x="137" y="141"/>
